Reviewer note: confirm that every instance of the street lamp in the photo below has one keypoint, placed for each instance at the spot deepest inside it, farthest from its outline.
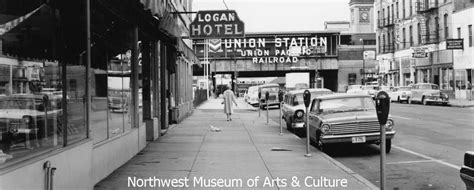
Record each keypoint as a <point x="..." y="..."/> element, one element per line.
<point x="363" y="62"/>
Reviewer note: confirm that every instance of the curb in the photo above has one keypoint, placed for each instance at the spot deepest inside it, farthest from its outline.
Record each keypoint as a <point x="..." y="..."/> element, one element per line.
<point x="461" y="106"/>
<point x="364" y="181"/>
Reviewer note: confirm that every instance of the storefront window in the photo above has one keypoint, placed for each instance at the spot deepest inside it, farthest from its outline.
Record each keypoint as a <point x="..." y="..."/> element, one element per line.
<point x="31" y="110"/>
<point x="461" y="78"/>
<point x="447" y="80"/>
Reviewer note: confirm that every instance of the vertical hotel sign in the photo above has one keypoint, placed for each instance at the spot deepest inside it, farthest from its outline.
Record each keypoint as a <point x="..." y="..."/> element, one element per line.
<point x="217" y="24"/>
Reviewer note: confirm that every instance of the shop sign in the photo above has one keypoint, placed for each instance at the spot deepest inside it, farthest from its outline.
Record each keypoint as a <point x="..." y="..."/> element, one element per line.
<point x="455" y="43"/>
<point x="33" y="73"/>
<point x="217" y="24"/>
<point x="369" y="55"/>
<point x="419" y="52"/>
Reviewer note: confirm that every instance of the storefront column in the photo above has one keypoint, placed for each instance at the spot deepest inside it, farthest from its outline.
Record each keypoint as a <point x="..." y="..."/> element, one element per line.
<point x="164" y="88"/>
<point x="134" y="78"/>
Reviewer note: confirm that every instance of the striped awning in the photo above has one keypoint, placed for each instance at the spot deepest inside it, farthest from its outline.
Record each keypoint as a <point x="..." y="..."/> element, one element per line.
<point x="5" y="27"/>
<point x="187" y="52"/>
<point x="156" y="7"/>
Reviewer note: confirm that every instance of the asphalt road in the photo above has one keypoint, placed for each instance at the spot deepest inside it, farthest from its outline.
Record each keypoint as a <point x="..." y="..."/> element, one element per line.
<point x="427" y="150"/>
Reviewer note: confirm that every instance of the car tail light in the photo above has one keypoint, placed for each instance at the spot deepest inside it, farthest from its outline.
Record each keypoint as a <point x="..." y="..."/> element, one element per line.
<point x="299" y="114"/>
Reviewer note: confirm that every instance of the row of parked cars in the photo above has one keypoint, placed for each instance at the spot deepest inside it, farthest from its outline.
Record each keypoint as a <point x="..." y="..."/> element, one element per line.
<point x="425" y="93"/>
<point x="333" y="118"/>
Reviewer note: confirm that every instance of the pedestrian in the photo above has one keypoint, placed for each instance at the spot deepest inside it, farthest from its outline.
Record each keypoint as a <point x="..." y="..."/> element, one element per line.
<point x="229" y="98"/>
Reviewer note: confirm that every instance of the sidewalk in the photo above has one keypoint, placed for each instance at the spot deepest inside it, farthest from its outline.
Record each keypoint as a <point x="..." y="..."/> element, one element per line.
<point x="461" y="103"/>
<point x="244" y="149"/>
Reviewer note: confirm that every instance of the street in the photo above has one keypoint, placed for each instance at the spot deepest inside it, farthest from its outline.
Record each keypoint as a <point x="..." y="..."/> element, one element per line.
<point x="427" y="150"/>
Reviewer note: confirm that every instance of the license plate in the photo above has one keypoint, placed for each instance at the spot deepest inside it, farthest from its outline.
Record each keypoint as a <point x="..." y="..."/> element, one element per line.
<point x="360" y="139"/>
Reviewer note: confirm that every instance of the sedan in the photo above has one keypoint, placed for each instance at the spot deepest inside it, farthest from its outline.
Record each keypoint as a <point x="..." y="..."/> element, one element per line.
<point x="346" y="118"/>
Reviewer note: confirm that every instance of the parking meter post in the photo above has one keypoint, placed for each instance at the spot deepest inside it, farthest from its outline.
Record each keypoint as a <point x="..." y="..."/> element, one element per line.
<point x="382" y="107"/>
<point x="280" y="101"/>
<point x="267" y="96"/>
<point x="45" y="107"/>
<point x="307" y="99"/>
<point x="382" y="157"/>
<point x="281" y="127"/>
<point x="259" y="101"/>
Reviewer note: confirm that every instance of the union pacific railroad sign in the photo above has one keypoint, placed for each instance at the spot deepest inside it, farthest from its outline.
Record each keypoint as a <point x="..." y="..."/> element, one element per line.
<point x="217" y="24"/>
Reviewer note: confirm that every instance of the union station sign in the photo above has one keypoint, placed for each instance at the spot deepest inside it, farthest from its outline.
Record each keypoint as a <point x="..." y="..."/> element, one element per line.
<point x="273" y="49"/>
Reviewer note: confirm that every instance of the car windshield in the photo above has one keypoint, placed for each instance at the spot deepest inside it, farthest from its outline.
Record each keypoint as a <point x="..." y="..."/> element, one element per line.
<point x="346" y="104"/>
<point x="253" y="90"/>
<point x="270" y="89"/>
<point x="299" y="97"/>
<point x="24" y="104"/>
<point x="429" y="87"/>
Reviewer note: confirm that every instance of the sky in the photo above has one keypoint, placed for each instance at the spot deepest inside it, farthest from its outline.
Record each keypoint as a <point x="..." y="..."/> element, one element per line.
<point x="281" y="15"/>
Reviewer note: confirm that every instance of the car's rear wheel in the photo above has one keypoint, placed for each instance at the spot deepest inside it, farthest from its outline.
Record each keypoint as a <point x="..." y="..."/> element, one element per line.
<point x="388" y="145"/>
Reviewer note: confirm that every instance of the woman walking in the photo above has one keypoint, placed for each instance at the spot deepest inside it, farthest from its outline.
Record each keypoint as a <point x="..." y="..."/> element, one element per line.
<point x="229" y="98"/>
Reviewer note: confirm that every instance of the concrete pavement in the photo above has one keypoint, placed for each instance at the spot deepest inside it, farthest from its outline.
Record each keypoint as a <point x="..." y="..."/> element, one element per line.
<point x="244" y="150"/>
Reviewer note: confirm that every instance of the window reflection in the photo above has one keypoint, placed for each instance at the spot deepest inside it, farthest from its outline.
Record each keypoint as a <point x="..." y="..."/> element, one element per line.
<point x="31" y="109"/>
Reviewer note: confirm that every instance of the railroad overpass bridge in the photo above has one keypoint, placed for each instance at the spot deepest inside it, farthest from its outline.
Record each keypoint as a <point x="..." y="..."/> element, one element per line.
<point x="273" y="55"/>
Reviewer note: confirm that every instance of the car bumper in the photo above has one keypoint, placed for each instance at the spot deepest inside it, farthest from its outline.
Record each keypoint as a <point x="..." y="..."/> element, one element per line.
<point x="370" y="137"/>
<point x="437" y="100"/>
<point x="467" y="176"/>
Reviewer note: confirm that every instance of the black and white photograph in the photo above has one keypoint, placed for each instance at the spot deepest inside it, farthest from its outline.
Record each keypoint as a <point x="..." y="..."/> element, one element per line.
<point x="236" y="94"/>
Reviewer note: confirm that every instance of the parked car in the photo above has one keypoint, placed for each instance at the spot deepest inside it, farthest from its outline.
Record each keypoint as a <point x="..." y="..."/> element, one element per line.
<point x="427" y="93"/>
<point x="22" y="119"/>
<point x="370" y="90"/>
<point x="346" y="118"/>
<point x="251" y="96"/>
<point x="400" y="94"/>
<point x="293" y="108"/>
<point x="273" y="95"/>
<point x="467" y="170"/>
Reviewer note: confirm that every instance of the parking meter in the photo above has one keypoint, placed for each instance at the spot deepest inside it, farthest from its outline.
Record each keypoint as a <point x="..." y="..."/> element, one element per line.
<point x="382" y="106"/>
<point x="280" y="96"/>
<point x="307" y="100"/>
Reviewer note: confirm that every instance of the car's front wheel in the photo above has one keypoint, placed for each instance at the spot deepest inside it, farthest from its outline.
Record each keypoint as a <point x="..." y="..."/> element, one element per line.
<point x="288" y="125"/>
<point x="424" y="101"/>
<point x="319" y="144"/>
<point x="388" y="145"/>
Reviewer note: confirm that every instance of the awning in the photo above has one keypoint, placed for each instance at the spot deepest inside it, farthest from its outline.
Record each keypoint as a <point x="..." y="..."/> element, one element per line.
<point x="187" y="52"/>
<point x="4" y="28"/>
<point x="168" y="21"/>
<point x="156" y="7"/>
